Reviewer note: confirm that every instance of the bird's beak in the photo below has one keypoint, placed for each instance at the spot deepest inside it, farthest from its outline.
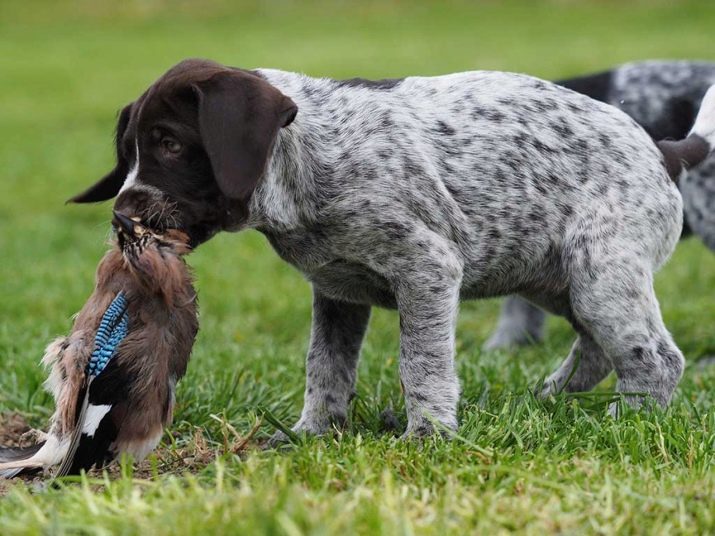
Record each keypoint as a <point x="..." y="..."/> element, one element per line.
<point x="126" y="225"/>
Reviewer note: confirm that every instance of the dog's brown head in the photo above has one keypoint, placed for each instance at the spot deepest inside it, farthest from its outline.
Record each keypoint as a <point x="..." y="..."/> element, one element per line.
<point x="193" y="147"/>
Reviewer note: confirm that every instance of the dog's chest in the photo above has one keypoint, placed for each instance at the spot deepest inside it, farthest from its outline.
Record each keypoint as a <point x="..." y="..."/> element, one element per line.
<point x="354" y="283"/>
<point x="337" y="278"/>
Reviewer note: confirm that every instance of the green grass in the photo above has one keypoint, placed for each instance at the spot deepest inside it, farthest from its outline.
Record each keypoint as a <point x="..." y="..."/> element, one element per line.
<point x="558" y="466"/>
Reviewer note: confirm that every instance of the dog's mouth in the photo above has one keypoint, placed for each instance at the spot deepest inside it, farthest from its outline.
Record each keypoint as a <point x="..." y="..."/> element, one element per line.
<point x="151" y="210"/>
<point x="159" y="214"/>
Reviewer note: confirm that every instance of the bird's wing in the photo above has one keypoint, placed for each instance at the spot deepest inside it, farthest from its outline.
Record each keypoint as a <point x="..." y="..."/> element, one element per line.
<point x="102" y="411"/>
<point x="103" y="396"/>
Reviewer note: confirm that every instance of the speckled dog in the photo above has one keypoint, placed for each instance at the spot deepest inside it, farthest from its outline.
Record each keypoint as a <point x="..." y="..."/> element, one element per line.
<point x="663" y="97"/>
<point x="412" y="194"/>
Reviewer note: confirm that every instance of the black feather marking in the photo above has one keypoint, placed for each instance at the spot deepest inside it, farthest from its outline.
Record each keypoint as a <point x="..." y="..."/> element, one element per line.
<point x="96" y="449"/>
<point x="67" y="462"/>
<point x="110" y="388"/>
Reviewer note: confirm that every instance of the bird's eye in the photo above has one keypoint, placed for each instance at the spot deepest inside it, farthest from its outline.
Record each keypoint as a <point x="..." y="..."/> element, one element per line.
<point x="171" y="145"/>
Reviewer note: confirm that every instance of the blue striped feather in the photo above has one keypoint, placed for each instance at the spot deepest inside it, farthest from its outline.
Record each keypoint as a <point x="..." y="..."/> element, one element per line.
<point x="112" y="330"/>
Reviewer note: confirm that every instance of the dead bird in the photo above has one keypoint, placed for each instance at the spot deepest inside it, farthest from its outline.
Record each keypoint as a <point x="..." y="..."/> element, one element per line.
<point x="113" y="378"/>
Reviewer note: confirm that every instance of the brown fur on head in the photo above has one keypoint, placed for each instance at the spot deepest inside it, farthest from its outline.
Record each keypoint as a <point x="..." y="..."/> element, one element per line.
<point x="203" y="133"/>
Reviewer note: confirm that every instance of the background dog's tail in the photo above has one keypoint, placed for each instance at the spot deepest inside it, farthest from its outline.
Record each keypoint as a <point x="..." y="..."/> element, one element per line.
<point x="682" y="155"/>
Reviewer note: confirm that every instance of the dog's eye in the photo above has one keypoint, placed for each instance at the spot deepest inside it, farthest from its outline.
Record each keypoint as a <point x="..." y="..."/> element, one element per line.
<point x="171" y="145"/>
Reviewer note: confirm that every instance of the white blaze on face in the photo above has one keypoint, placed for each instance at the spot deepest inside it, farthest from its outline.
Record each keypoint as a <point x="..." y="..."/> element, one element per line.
<point x="131" y="179"/>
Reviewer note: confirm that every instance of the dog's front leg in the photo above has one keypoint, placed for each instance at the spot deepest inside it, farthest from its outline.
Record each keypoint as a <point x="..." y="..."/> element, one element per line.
<point x="336" y="336"/>
<point x="427" y="304"/>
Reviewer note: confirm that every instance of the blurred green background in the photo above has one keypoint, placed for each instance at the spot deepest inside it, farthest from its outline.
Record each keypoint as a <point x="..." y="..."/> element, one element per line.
<point x="67" y="67"/>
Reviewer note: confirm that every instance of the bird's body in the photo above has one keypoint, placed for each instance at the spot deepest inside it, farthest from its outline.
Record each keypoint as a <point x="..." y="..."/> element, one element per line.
<point x="113" y="376"/>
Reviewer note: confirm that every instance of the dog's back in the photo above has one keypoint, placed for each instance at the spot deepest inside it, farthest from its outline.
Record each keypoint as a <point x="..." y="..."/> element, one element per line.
<point x="480" y="155"/>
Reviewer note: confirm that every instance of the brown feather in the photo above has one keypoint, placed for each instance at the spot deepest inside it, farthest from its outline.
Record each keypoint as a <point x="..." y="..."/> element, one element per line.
<point x="163" y="325"/>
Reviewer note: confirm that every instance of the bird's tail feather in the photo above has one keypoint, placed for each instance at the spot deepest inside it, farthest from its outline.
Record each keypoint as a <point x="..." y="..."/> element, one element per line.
<point x="15" y="461"/>
<point x="13" y="454"/>
<point x="19" y="461"/>
<point x="68" y="460"/>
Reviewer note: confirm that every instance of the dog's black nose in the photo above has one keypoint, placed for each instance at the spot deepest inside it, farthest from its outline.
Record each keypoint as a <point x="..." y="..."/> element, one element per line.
<point x="123" y="223"/>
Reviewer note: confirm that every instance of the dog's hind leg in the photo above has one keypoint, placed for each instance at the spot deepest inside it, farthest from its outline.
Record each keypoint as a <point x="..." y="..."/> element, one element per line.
<point x="586" y="365"/>
<point x="613" y="299"/>
<point x="520" y="323"/>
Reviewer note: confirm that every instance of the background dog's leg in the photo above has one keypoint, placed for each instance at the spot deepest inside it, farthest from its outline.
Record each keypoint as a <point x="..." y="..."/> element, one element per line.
<point x="585" y="366"/>
<point x="622" y="315"/>
<point x="520" y="323"/>
<point x="428" y="309"/>
<point x="337" y="332"/>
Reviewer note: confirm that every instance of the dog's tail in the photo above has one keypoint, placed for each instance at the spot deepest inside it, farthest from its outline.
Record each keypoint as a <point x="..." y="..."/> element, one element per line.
<point x="682" y="155"/>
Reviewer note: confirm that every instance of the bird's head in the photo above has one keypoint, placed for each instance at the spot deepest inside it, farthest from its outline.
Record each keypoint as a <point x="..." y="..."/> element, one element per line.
<point x="151" y="255"/>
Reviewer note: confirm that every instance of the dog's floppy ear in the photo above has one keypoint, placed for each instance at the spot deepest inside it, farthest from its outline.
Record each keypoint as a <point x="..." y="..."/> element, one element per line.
<point x="240" y="115"/>
<point x="109" y="185"/>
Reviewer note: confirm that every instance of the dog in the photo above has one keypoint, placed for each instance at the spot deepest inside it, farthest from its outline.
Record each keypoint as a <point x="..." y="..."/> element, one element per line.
<point x="663" y="97"/>
<point x="415" y="193"/>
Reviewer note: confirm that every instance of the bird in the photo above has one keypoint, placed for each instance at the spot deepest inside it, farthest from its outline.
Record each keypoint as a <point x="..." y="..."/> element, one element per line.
<point x="113" y="378"/>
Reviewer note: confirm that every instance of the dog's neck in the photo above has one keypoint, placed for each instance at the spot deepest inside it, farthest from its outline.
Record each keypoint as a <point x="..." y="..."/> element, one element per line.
<point x="294" y="186"/>
<point x="286" y="197"/>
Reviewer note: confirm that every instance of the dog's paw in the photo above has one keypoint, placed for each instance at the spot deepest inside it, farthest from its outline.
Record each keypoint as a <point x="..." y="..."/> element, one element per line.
<point x="304" y="428"/>
<point x="277" y="440"/>
<point x="424" y="428"/>
<point x="548" y="389"/>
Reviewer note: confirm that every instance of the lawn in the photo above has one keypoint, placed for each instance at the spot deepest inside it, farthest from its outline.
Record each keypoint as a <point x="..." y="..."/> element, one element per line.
<point x="556" y="466"/>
